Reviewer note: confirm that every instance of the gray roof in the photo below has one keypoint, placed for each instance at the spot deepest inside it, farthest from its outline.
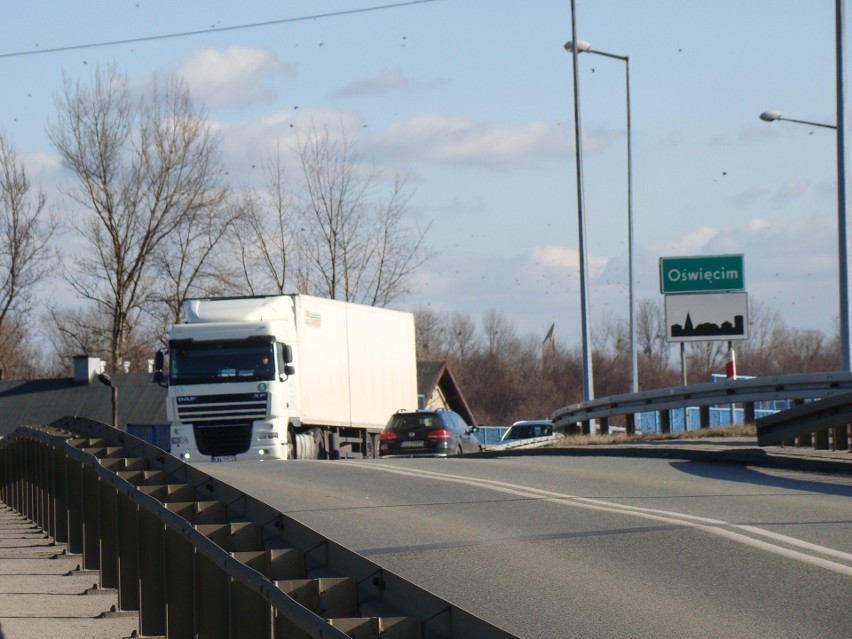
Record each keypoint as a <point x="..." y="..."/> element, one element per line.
<point x="43" y="401"/>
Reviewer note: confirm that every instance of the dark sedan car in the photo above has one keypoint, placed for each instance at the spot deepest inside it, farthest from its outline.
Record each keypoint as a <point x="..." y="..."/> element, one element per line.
<point x="433" y="433"/>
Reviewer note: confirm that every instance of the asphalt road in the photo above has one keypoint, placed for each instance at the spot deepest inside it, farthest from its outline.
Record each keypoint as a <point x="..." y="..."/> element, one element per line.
<point x="561" y="546"/>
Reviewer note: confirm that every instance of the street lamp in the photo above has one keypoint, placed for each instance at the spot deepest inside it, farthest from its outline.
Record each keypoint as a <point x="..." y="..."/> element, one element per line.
<point x="840" y="98"/>
<point x="588" y="375"/>
<point x="585" y="47"/>
<point x="106" y="380"/>
<point x="772" y="116"/>
<point x="842" y="253"/>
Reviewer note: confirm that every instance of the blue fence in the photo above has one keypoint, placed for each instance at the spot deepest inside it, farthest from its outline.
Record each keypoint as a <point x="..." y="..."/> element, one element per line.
<point x="684" y="419"/>
<point x="157" y="434"/>
<point x="489" y="435"/>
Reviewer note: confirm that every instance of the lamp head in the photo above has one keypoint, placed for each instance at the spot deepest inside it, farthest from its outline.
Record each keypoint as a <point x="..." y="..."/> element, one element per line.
<point x="582" y="46"/>
<point x="770" y="116"/>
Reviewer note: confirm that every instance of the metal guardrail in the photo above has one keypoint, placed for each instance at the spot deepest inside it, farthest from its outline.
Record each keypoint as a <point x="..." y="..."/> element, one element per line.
<point x="516" y="444"/>
<point x="577" y="417"/>
<point x="810" y="424"/>
<point x="198" y="558"/>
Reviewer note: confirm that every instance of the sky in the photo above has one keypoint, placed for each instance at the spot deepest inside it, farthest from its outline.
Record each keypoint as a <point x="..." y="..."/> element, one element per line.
<point x="473" y="101"/>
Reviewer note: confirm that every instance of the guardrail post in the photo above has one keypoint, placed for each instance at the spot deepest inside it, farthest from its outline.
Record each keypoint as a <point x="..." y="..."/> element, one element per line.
<point x="60" y="496"/>
<point x="212" y="603"/>
<point x="180" y="585"/>
<point x="821" y="439"/>
<point x="840" y="434"/>
<point x="49" y="513"/>
<point x="152" y="600"/>
<point x="805" y="440"/>
<point x="128" y="554"/>
<point x="91" y="519"/>
<point x="585" y="427"/>
<point x="665" y="421"/>
<point x="630" y="423"/>
<point x="748" y="412"/>
<point x="28" y="480"/>
<point x="604" y="425"/>
<point x="108" y="533"/>
<point x="251" y="616"/>
<point x="704" y="416"/>
<point x="74" y="481"/>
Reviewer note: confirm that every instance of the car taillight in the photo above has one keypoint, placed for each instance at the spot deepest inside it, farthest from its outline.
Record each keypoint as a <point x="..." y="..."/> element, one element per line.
<point x="387" y="436"/>
<point x="439" y="434"/>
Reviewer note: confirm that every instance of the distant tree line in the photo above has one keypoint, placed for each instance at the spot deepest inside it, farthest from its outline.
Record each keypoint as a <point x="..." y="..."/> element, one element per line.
<point x="507" y="377"/>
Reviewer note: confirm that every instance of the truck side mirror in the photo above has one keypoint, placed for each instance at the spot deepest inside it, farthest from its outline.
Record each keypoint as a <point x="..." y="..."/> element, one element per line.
<point x="159" y="362"/>
<point x="288" y="354"/>
<point x="289" y="369"/>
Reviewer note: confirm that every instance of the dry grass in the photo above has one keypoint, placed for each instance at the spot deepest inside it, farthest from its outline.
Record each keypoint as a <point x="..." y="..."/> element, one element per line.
<point x="737" y="430"/>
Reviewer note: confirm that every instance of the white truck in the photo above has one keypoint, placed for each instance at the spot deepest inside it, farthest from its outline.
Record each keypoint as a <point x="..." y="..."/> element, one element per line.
<point x="285" y="377"/>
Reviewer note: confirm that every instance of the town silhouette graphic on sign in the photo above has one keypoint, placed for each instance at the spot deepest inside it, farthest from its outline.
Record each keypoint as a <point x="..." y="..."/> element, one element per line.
<point x="708" y="329"/>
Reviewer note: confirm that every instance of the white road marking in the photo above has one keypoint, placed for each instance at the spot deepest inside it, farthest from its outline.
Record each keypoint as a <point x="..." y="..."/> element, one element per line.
<point x="714" y="526"/>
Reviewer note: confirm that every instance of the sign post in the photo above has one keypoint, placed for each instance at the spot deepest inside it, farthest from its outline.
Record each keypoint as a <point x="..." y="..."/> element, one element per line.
<point x="705" y="300"/>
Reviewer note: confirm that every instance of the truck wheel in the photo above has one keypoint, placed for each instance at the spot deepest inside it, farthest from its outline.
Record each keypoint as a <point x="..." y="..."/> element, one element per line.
<point x="319" y="443"/>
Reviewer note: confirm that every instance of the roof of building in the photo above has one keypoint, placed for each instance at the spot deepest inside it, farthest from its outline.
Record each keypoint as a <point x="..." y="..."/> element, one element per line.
<point x="43" y="401"/>
<point x="431" y="375"/>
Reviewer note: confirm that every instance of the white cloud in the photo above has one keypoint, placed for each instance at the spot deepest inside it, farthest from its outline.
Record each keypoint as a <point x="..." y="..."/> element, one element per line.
<point x="428" y="139"/>
<point x="462" y="140"/>
<point x="388" y="81"/>
<point x="233" y="77"/>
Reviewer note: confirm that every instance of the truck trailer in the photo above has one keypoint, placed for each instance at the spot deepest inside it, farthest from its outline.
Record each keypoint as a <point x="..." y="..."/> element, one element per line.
<point x="285" y="377"/>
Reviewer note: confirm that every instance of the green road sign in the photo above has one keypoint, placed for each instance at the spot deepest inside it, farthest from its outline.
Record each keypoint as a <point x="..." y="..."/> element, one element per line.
<point x="701" y="274"/>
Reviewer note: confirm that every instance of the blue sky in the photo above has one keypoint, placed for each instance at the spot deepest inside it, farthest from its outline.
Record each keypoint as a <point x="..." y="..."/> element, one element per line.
<point x="472" y="100"/>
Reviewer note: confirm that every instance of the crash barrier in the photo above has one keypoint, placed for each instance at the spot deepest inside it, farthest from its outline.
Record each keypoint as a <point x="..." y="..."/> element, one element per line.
<point x="577" y="418"/>
<point x="822" y="424"/>
<point x="198" y="558"/>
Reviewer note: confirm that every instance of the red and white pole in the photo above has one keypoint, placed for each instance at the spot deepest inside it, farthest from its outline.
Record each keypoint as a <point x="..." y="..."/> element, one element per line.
<point x="731" y="364"/>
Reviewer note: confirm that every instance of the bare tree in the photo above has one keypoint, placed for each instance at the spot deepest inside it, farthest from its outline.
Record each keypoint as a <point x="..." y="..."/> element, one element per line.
<point x="358" y="247"/>
<point x="270" y="258"/>
<point x="190" y="259"/>
<point x="429" y="334"/>
<point x="25" y="234"/>
<point x="145" y="167"/>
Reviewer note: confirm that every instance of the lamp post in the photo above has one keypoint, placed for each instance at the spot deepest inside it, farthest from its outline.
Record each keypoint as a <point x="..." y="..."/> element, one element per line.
<point x="588" y="375"/>
<point x="106" y="380"/>
<point x="842" y="252"/>
<point x="586" y="47"/>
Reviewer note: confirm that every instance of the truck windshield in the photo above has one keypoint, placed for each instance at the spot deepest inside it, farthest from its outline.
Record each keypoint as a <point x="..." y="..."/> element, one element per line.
<point x="220" y="362"/>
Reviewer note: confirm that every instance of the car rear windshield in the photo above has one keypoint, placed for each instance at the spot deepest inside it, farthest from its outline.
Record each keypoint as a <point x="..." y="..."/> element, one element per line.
<point x="411" y="421"/>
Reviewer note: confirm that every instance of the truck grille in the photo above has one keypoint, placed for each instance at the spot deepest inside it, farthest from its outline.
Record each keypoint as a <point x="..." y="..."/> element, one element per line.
<point x="225" y="408"/>
<point x="222" y="423"/>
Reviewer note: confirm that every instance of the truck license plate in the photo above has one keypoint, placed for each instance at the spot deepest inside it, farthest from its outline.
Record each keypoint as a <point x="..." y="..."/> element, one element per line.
<point x="224" y="458"/>
<point x="411" y="444"/>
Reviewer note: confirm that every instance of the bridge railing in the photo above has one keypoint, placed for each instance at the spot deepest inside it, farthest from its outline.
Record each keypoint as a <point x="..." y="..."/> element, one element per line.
<point x="197" y="557"/>
<point x="798" y="389"/>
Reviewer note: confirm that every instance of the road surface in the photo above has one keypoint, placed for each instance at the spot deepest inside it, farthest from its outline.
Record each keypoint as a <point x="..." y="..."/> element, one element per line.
<point x="561" y="546"/>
